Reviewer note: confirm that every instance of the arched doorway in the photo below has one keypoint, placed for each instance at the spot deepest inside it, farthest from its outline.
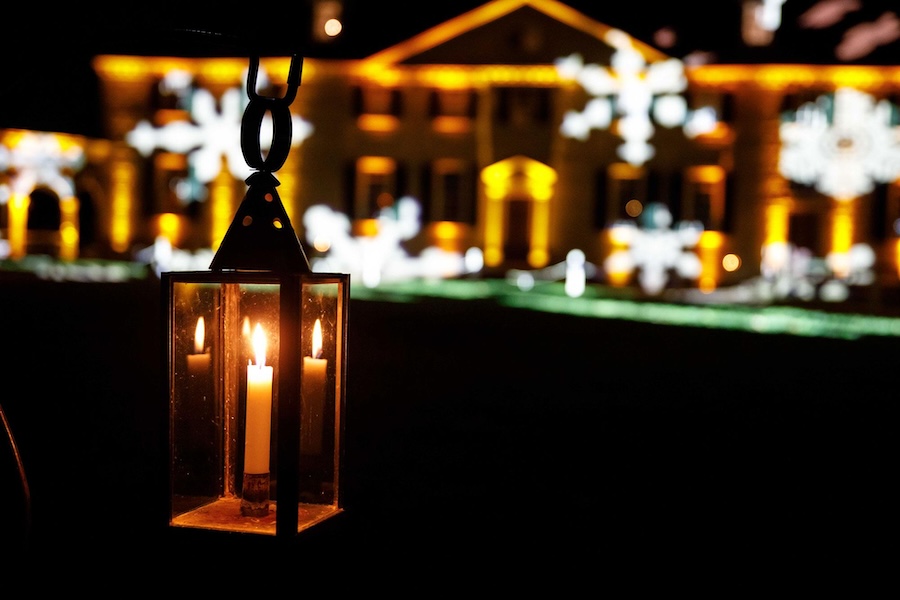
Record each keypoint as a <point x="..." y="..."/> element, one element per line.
<point x="516" y="212"/>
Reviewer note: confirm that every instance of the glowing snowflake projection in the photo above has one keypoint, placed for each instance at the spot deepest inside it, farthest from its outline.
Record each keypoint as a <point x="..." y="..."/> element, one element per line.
<point x="788" y="271"/>
<point x="575" y="271"/>
<point x="41" y="159"/>
<point x="636" y="90"/>
<point x="210" y="134"/>
<point x="656" y="249"/>
<point x="842" y="145"/>
<point x="380" y="258"/>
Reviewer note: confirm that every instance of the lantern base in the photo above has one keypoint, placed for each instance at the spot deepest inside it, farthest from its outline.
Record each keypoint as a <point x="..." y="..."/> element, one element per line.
<point x="255" y="496"/>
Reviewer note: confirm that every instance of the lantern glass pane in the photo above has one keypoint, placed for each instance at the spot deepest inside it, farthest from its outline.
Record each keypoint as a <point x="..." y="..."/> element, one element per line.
<point x="214" y="432"/>
<point x="321" y="343"/>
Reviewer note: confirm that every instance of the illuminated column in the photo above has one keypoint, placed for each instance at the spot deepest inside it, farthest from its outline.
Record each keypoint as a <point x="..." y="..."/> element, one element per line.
<point x="221" y="205"/>
<point x="123" y="185"/>
<point x="496" y="180"/>
<point x="540" y="187"/>
<point x="708" y="251"/>
<point x="68" y="228"/>
<point x="777" y="214"/>
<point x="18" y="224"/>
<point x="841" y="234"/>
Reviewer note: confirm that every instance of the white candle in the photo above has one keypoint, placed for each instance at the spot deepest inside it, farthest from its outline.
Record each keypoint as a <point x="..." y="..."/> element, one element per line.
<point x="259" y="409"/>
<point x="198" y="362"/>
<point x="315" y="371"/>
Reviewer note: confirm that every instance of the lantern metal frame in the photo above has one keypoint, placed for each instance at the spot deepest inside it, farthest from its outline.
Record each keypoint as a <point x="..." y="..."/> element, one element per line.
<point x="259" y="275"/>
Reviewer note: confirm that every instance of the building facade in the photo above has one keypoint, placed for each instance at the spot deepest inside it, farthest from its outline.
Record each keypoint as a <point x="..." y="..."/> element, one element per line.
<point x="523" y="128"/>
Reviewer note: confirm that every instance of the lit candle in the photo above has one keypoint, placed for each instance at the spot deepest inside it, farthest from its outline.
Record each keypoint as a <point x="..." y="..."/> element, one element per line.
<point x="198" y="362"/>
<point x="259" y="409"/>
<point x="313" y="389"/>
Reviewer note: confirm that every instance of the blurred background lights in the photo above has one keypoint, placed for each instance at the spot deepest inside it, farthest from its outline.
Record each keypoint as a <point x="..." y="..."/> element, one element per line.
<point x="731" y="262"/>
<point x="333" y="27"/>
<point x="326" y="22"/>
<point x="633" y="208"/>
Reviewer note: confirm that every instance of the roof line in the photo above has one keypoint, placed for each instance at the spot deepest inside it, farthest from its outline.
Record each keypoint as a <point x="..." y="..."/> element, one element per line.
<point x="492" y="11"/>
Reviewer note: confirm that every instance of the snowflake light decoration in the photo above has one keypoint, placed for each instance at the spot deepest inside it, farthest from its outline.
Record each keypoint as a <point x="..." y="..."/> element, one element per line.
<point x="380" y="258"/>
<point x="40" y="159"/>
<point x="656" y="249"/>
<point x="636" y="90"/>
<point x="788" y="271"/>
<point x="209" y="135"/>
<point x="574" y="271"/>
<point x="841" y="145"/>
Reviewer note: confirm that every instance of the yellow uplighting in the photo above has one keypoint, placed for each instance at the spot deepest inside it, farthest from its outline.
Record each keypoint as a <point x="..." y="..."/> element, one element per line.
<point x="842" y="230"/>
<point x="123" y="183"/>
<point x="777" y="222"/>
<point x="68" y="228"/>
<point x="448" y="235"/>
<point x="378" y="123"/>
<point x="222" y="202"/>
<point x="170" y="227"/>
<point x="450" y="124"/>
<point x="365" y="227"/>
<point x="783" y="77"/>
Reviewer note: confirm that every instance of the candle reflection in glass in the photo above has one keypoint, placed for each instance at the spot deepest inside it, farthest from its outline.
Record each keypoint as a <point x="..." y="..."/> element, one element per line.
<point x="315" y="370"/>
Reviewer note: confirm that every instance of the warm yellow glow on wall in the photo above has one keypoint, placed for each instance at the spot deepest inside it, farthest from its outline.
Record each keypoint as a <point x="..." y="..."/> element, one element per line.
<point x="365" y="227"/>
<point x="378" y="123"/>
<point x="123" y="185"/>
<point x="222" y="205"/>
<point x="171" y="227"/>
<point x="782" y="77"/>
<point x="68" y="228"/>
<point x="523" y="178"/>
<point x="617" y="239"/>
<point x="222" y="71"/>
<point x="897" y="257"/>
<point x="17" y="222"/>
<point x="777" y="214"/>
<point x="708" y="251"/>
<point x="449" y="236"/>
<point x="451" y="125"/>
<point x="376" y="165"/>
<point x="842" y="227"/>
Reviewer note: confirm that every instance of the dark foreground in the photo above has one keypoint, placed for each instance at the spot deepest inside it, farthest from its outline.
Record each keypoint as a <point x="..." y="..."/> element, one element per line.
<point x="478" y="439"/>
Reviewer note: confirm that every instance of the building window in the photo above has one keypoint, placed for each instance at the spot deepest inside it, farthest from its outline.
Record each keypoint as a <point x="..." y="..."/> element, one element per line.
<point x="625" y="192"/>
<point x="451" y="188"/>
<point x="375" y="100"/>
<point x="703" y="198"/>
<point x="376" y="186"/>
<point x="522" y="106"/>
<point x="452" y="111"/>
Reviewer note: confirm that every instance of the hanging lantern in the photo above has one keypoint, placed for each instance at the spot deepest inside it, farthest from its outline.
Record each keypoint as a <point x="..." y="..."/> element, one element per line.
<point x="256" y="351"/>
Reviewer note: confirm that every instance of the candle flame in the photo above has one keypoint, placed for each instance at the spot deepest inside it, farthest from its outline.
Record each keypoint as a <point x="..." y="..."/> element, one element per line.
<point x="317" y="340"/>
<point x="259" y="345"/>
<point x="200" y="336"/>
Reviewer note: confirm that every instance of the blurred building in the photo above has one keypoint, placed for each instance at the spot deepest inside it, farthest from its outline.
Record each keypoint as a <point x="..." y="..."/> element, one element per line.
<point x="523" y="127"/>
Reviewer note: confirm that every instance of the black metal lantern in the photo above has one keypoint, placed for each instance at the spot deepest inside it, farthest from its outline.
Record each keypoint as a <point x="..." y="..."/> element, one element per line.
<point x="256" y="350"/>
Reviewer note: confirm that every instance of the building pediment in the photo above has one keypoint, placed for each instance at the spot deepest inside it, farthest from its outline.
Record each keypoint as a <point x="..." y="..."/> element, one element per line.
<point x="509" y="32"/>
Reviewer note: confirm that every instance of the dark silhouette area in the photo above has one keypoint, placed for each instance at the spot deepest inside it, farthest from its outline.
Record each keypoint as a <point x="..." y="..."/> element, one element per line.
<point x="477" y="429"/>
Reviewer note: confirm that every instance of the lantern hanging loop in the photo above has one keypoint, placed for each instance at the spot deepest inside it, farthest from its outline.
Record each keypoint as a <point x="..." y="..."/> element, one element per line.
<point x="279" y="109"/>
<point x="261" y="236"/>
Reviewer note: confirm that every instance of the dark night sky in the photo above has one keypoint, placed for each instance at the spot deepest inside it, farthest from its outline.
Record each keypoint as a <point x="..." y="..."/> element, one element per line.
<point x="49" y="84"/>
